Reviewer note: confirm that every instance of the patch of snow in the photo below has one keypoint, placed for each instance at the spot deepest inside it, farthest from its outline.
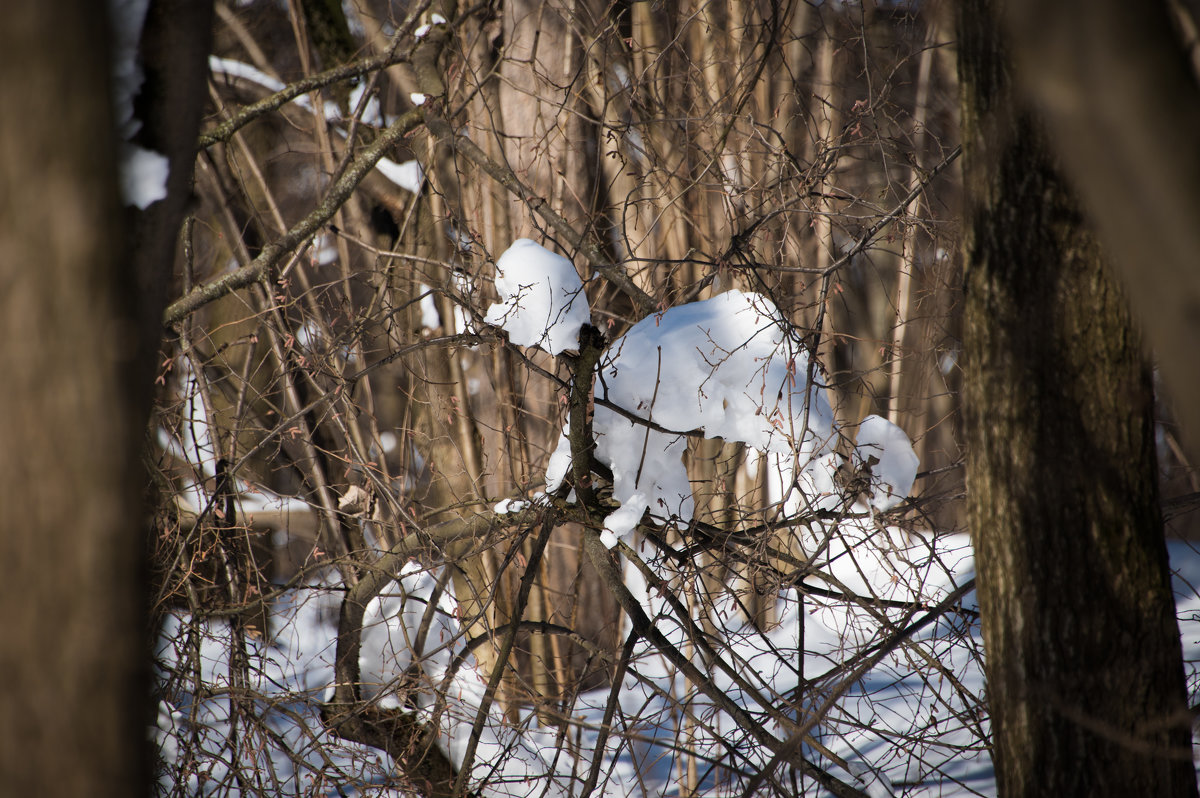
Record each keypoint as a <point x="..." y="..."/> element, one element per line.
<point x="309" y="336"/>
<point x="371" y="115"/>
<point x="143" y="172"/>
<point x="637" y="146"/>
<point x="430" y="318"/>
<point x="895" y="463"/>
<point x="948" y="361"/>
<point x="515" y="757"/>
<point x="127" y="17"/>
<point x="423" y="30"/>
<point x="506" y="506"/>
<point x="391" y="625"/>
<point x="620" y="76"/>
<point x="559" y="463"/>
<point x="143" y="176"/>
<point x="354" y="22"/>
<point x="408" y="175"/>
<point x="730" y="367"/>
<point x="750" y="463"/>
<point x="513" y="760"/>
<point x="293" y="663"/>
<point x="239" y="69"/>
<point x="326" y="250"/>
<point x="464" y="284"/>
<point x="257" y="499"/>
<point x="542" y="302"/>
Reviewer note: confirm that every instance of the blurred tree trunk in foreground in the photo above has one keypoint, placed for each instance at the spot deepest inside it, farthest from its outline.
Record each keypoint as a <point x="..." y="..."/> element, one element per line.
<point x="1126" y="129"/>
<point x="80" y="320"/>
<point x="1084" y="673"/>
<point x="71" y="688"/>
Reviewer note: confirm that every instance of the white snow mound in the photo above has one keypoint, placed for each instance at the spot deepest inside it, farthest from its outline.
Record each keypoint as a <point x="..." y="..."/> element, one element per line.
<point x="726" y="366"/>
<point x="144" y="176"/>
<point x="542" y="302"/>
<point x="893" y="475"/>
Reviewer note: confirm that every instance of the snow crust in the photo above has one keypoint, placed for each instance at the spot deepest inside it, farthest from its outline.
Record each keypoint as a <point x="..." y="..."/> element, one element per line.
<point x="542" y="302"/>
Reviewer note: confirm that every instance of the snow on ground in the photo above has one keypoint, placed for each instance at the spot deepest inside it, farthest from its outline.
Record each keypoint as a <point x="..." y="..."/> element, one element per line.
<point x="292" y="672"/>
<point x="896" y="723"/>
<point x="287" y="750"/>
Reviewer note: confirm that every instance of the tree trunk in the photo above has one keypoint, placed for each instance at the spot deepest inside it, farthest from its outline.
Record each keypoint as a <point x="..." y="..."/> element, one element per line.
<point x="72" y="691"/>
<point x="1085" y="683"/>
<point x="176" y="41"/>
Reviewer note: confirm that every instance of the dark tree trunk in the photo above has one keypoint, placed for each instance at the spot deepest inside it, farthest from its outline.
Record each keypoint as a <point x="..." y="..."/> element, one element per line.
<point x="1085" y="683"/>
<point x="176" y="41"/>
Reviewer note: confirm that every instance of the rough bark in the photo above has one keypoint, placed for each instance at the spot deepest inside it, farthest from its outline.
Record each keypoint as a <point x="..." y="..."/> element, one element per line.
<point x="1085" y="684"/>
<point x="71" y="688"/>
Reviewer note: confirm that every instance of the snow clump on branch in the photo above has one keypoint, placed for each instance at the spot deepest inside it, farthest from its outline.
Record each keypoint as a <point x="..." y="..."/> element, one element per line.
<point x="542" y="302"/>
<point x="886" y="449"/>
<point x="729" y="367"/>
